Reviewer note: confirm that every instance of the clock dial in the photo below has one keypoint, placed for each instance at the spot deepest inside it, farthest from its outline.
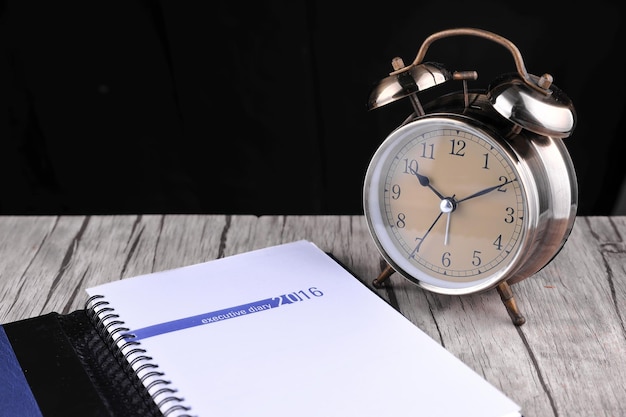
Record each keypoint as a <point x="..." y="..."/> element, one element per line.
<point x="445" y="204"/>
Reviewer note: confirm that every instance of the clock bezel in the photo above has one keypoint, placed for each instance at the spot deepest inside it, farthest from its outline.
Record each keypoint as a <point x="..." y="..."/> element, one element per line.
<point x="382" y="234"/>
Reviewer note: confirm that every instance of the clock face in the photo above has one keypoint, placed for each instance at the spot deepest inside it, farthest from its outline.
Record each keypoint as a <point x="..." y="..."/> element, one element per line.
<point x="445" y="204"/>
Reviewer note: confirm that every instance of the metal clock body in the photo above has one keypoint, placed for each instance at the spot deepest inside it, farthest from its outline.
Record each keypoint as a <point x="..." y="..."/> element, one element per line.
<point x="475" y="190"/>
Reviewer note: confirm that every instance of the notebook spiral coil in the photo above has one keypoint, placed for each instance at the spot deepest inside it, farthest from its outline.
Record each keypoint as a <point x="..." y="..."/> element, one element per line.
<point x="133" y="358"/>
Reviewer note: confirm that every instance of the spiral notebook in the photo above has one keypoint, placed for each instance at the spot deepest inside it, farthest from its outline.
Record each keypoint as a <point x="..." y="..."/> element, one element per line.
<point x="280" y="331"/>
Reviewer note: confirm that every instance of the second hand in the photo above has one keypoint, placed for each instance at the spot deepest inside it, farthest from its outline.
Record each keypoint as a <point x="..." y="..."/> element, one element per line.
<point x="417" y="248"/>
<point x="447" y="206"/>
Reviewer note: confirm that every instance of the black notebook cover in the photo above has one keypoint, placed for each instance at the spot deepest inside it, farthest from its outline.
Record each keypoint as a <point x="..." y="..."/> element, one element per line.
<point x="59" y="365"/>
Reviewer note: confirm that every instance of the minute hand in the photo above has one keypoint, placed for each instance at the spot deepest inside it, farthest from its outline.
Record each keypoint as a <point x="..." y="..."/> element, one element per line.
<point x="486" y="190"/>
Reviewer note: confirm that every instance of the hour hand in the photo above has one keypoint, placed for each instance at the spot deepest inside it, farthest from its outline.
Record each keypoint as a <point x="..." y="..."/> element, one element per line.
<point x="425" y="182"/>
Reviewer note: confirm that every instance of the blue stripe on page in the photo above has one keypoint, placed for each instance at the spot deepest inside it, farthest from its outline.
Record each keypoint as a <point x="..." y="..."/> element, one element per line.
<point x="206" y="318"/>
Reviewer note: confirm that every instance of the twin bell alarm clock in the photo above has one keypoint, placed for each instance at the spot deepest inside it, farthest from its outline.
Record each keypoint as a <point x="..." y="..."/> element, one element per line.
<point x="475" y="190"/>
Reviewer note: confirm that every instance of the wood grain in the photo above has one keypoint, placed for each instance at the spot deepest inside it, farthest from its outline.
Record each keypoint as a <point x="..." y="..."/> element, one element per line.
<point x="569" y="359"/>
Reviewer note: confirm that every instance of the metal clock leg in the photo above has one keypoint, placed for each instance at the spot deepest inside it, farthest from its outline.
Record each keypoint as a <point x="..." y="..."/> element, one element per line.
<point x="506" y="295"/>
<point x="382" y="277"/>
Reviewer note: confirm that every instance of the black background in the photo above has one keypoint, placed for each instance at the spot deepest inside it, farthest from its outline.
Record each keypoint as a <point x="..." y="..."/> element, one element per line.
<point x="228" y="107"/>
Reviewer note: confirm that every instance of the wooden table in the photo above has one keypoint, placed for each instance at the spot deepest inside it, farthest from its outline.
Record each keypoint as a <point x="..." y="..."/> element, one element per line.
<point x="569" y="359"/>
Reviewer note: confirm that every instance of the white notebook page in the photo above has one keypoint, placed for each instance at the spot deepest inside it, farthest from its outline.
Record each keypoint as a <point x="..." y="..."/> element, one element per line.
<point x="337" y="349"/>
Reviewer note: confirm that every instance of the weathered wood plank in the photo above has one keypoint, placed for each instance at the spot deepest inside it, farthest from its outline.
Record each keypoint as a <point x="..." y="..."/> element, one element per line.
<point x="34" y="252"/>
<point x="573" y="334"/>
<point x="615" y="257"/>
<point x="569" y="359"/>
